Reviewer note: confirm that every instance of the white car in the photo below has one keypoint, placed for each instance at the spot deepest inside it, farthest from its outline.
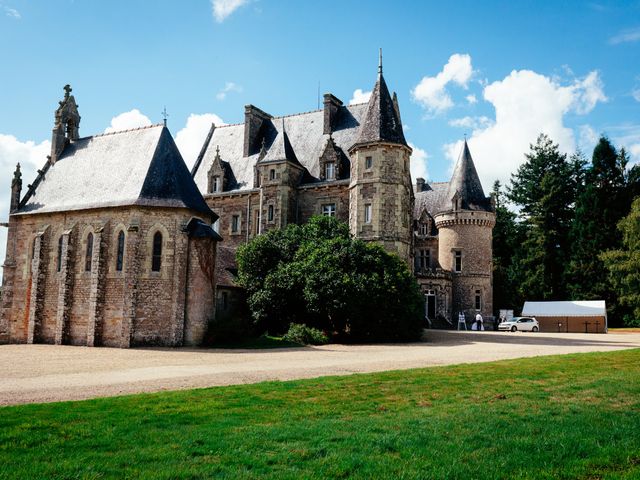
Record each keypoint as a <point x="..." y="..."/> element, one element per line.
<point x="524" y="324"/>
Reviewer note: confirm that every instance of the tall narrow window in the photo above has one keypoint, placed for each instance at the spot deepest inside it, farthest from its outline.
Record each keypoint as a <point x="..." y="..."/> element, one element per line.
<point x="330" y="171"/>
<point x="478" y="300"/>
<point x="270" y="213"/>
<point x="235" y="223"/>
<point x="215" y="184"/>
<point x="368" y="162"/>
<point x="88" y="256"/>
<point x="59" y="267"/>
<point x="329" y="210"/>
<point x="120" y="252"/>
<point x="272" y="174"/>
<point x="458" y="260"/>
<point x="367" y="213"/>
<point x="156" y="257"/>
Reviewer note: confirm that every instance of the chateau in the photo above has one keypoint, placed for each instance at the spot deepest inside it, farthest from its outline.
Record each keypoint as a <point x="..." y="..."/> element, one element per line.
<point x="114" y="243"/>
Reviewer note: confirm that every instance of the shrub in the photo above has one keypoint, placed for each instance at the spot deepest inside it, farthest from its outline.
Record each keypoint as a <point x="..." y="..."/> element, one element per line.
<point x="304" y="335"/>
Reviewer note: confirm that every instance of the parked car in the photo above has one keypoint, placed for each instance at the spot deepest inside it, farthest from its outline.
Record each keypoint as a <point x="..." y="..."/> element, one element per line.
<point x="524" y="324"/>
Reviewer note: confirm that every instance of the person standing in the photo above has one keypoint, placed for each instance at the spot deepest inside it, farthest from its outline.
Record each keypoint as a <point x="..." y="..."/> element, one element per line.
<point x="462" y="321"/>
<point x="479" y="322"/>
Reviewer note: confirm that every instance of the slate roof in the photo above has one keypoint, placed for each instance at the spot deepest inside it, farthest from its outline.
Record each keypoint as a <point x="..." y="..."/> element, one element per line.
<point x="280" y="147"/>
<point x="433" y="199"/>
<point x="465" y="180"/>
<point x="305" y="135"/>
<point x="132" y="167"/>
<point x="226" y="267"/>
<point x="381" y="122"/>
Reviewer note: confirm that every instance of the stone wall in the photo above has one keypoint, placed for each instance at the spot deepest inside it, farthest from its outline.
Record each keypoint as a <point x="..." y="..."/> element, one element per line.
<point x="72" y="301"/>
<point x="386" y="186"/>
<point x="469" y="232"/>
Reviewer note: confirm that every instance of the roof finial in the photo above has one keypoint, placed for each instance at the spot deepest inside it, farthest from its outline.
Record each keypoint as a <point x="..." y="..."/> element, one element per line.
<point x="380" y="63"/>
<point x="164" y="115"/>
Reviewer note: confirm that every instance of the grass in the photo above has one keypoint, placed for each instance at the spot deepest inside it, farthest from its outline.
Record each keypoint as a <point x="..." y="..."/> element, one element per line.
<point x="562" y="417"/>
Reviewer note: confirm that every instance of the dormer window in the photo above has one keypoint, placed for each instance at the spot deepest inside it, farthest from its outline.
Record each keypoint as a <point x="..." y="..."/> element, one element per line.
<point x="330" y="171"/>
<point x="272" y="174"/>
<point x="423" y="229"/>
<point x="215" y="184"/>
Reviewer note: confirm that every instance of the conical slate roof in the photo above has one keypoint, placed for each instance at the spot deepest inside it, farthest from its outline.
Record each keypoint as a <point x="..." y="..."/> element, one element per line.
<point x="381" y="122"/>
<point x="466" y="183"/>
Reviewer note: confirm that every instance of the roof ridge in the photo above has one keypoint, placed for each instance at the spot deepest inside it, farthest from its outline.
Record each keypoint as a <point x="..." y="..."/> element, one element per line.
<point x="105" y="134"/>
<point x="299" y="113"/>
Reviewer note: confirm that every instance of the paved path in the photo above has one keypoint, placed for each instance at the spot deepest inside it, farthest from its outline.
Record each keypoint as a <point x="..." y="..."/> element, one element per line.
<point x="48" y="373"/>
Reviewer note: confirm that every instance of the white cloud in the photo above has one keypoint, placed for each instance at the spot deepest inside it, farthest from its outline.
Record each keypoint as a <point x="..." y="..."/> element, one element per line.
<point x="634" y="153"/>
<point x="128" y="120"/>
<point x="418" y="163"/>
<point x="471" y="122"/>
<point x="526" y="104"/>
<point x="626" y="36"/>
<point x="191" y="138"/>
<point x="471" y="99"/>
<point x="12" y="12"/>
<point x="223" y="8"/>
<point x="432" y="93"/>
<point x="587" y="138"/>
<point x="359" y="96"/>
<point x="228" y="88"/>
<point x="31" y="156"/>
<point x="636" y="94"/>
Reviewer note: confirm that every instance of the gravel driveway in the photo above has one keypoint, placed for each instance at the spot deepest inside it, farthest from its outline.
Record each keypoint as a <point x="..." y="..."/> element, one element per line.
<point x="48" y="373"/>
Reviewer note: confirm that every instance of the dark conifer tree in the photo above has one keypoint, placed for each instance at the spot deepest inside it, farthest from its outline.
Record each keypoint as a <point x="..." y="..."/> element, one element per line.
<point x="544" y="190"/>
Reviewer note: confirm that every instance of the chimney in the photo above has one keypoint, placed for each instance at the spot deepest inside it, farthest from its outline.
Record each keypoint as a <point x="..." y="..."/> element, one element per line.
<point x="332" y="106"/>
<point x="16" y="190"/>
<point x="419" y="185"/>
<point x="254" y="118"/>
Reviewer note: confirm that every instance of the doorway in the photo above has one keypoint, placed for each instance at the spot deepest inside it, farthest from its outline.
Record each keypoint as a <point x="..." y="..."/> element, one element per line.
<point x="430" y="304"/>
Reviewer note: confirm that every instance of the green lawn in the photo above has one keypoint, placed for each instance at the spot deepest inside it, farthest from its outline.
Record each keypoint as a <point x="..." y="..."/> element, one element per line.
<point x="567" y="417"/>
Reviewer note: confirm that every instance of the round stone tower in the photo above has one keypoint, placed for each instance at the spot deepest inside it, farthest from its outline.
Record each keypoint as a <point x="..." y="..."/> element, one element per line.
<point x="465" y="231"/>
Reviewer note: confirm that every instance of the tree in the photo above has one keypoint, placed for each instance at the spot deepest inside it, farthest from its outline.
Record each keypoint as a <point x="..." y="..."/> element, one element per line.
<point x="544" y="191"/>
<point x="317" y="275"/>
<point x="624" y="264"/>
<point x="601" y="203"/>
<point x="507" y="236"/>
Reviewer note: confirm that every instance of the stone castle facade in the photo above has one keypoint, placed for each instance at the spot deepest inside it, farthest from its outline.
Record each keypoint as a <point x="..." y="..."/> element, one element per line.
<point x="351" y="162"/>
<point x="116" y="243"/>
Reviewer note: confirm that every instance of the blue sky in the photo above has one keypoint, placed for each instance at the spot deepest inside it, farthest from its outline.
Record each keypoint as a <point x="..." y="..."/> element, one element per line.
<point x="499" y="71"/>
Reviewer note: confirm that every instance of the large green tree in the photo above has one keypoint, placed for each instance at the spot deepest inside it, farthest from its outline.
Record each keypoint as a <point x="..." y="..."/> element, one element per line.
<point x="543" y="191"/>
<point x="507" y="237"/>
<point x="318" y="275"/>
<point x="623" y="265"/>
<point x="601" y="203"/>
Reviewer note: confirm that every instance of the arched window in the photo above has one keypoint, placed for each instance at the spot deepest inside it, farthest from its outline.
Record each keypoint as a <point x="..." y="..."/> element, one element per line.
<point x="88" y="257"/>
<point x="120" y="252"/>
<point x="59" y="254"/>
<point x="156" y="258"/>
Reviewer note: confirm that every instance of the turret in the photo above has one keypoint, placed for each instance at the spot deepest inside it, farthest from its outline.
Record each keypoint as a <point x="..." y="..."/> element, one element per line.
<point x="465" y="239"/>
<point x="16" y="190"/>
<point x="279" y="171"/>
<point x="67" y="124"/>
<point x="380" y="192"/>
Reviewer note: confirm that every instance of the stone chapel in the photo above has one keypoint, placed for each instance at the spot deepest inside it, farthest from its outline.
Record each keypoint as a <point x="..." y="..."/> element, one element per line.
<point x="110" y="245"/>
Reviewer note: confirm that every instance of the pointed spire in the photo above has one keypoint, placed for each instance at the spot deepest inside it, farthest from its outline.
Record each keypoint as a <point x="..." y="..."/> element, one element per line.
<point x="381" y="122"/>
<point x="281" y="148"/>
<point x="465" y="183"/>
<point x="17" y="175"/>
